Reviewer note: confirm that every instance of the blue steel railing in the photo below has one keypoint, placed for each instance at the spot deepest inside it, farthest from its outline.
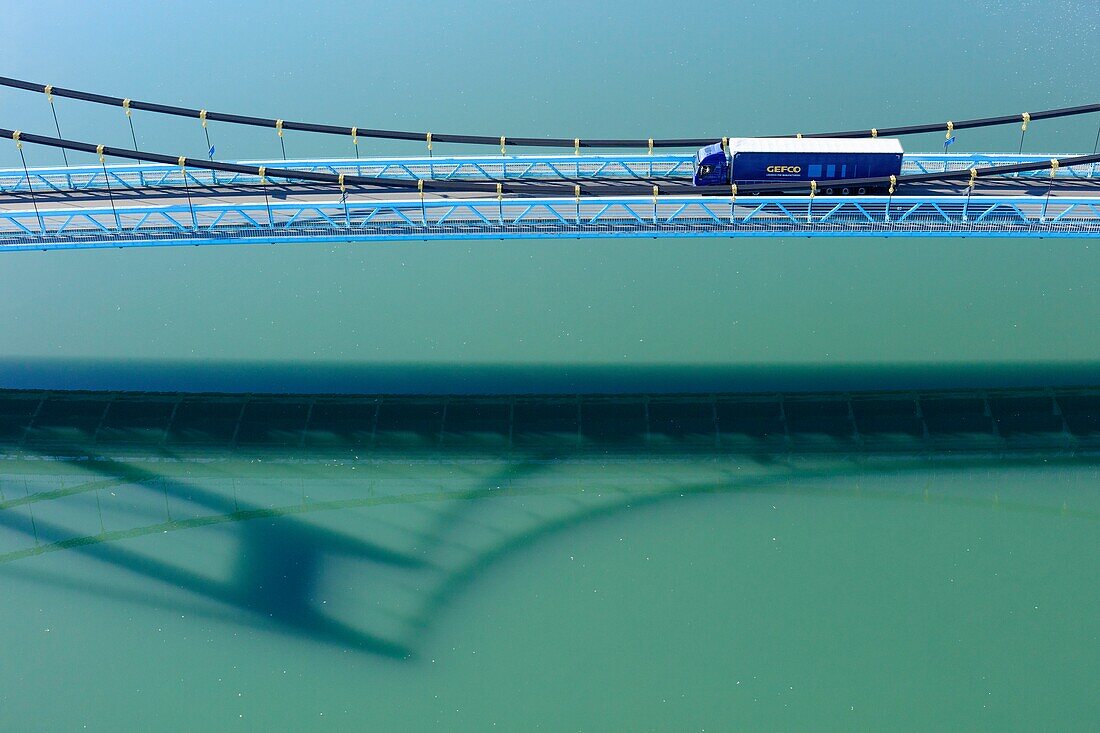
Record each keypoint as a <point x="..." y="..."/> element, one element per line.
<point x="624" y="167"/>
<point x="491" y="168"/>
<point x="550" y="218"/>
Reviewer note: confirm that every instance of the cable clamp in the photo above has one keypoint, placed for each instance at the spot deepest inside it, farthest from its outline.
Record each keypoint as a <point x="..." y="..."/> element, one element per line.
<point x="182" y="162"/>
<point x="874" y="132"/>
<point x="1053" y="166"/>
<point x="420" y="188"/>
<point x="950" y="129"/>
<point x="355" y="136"/>
<point x="500" y="192"/>
<point x="893" y="184"/>
<point x="48" y="89"/>
<point x="1026" y="116"/>
<point x="798" y="135"/>
<point x="733" y="193"/>
<point x="15" y="136"/>
<point x="973" y="177"/>
<point x="126" y="106"/>
<point x="343" y="189"/>
<point x="576" y="146"/>
<point x="99" y="152"/>
<point x="813" y="188"/>
<point x="428" y="139"/>
<point x="279" y="127"/>
<point x="202" y="117"/>
<point x="656" y="190"/>
<point x="502" y="145"/>
<point x="725" y="143"/>
<point x="651" y="146"/>
<point x="577" y="192"/>
<point x="263" y="174"/>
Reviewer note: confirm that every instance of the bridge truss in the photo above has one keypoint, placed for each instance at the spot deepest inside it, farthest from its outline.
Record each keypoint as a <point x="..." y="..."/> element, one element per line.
<point x="548" y="218"/>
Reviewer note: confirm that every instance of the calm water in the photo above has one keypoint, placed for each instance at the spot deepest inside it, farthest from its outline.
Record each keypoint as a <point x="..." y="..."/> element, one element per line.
<point x="635" y="592"/>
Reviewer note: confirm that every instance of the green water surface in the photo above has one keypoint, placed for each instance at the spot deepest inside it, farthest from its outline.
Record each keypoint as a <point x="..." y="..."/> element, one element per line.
<point x="618" y="593"/>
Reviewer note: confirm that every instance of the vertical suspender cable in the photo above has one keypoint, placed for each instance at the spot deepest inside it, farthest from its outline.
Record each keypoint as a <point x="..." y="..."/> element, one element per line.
<point x="1046" y="199"/>
<point x="1096" y="144"/>
<point x="19" y="146"/>
<point x="431" y="168"/>
<point x="267" y="201"/>
<point x="969" y="190"/>
<point x="49" y="98"/>
<point x="133" y="135"/>
<point x="355" y="144"/>
<point x="209" y="145"/>
<point x="810" y="205"/>
<point x="206" y="131"/>
<point x="423" y="209"/>
<point x="890" y="197"/>
<point x="107" y="180"/>
<point x="187" y="191"/>
<point x="130" y="119"/>
<point x="344" y="201"/>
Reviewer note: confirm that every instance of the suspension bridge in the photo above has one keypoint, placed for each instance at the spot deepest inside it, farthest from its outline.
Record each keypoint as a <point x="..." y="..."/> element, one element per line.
<point x="642" y="188"/>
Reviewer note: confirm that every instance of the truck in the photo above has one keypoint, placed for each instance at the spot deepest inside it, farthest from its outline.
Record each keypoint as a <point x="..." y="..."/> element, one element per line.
<point x="828" y="160"/>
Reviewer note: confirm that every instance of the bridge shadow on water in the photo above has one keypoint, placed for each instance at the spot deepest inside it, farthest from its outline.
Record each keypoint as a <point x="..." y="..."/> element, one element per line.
<point x="422" y="494"/>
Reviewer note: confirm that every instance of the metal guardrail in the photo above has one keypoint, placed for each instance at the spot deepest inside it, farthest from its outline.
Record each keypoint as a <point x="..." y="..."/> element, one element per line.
<point x="622" y="167"/>
<point x="949" y="162"/>
<point x="550" y="218"/>
<point x="488" y="168"/>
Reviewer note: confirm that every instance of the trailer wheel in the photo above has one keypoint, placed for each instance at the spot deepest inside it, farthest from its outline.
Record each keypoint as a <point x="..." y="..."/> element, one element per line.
<point x="845" y="191"/>
<point x="862" y="190"/>
<point x="828" y="192"/>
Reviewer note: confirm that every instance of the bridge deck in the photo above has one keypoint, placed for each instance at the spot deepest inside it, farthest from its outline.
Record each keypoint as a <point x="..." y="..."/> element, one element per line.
<point x="487" y="218"/>
<point x="146" y="205"/>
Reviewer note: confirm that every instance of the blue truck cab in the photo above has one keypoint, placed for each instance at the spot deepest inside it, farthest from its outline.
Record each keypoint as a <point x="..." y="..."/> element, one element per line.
<point x="798" y="160"/>
<point x="711" y="166"/>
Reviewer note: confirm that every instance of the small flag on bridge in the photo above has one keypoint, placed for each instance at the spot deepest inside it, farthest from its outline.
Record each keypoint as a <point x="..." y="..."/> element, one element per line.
<point x="947" y="142"/>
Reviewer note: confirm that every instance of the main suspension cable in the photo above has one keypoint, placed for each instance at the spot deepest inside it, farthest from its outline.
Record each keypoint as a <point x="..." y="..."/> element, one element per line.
<point x="548" y="142"/>
<point x="567" y="188"/>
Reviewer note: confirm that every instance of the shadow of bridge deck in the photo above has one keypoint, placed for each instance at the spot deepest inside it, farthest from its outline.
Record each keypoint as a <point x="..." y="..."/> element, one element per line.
<point x="481" y="459"/>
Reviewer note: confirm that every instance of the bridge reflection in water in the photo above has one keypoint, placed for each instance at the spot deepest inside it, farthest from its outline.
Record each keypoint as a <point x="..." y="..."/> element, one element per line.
<point x="411" y="497"/>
